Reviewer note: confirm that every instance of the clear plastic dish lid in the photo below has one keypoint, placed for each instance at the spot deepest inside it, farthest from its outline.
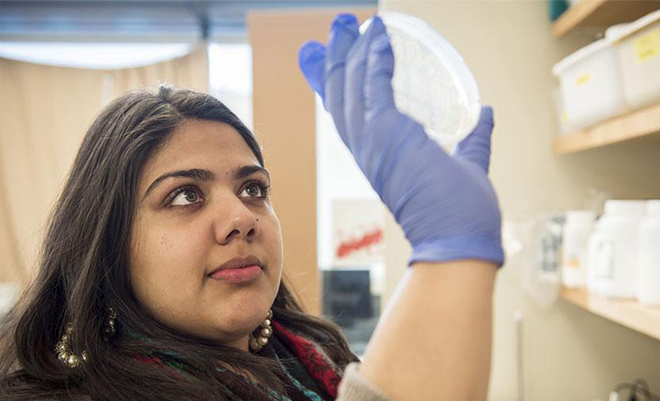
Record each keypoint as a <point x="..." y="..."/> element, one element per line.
<point x="431" y="83"/>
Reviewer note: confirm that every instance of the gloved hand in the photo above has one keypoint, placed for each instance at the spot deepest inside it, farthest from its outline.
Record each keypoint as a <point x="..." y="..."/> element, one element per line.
<point x="446" y="205"/>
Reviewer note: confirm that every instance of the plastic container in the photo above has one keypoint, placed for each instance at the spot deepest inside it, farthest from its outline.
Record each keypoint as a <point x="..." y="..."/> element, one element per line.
<point x="648" y="282"/>
<point x="614" y="249"/>
<point x="638" y="52"/>
<point x="594" y="249"/>
<point x="431" y="83"/>
<point x="590" y="81"/>
<point x="579" y="226"/>
<point x="560" y="111"/>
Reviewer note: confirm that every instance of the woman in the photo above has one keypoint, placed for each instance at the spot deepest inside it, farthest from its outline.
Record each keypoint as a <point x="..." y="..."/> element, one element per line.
<point x="161" y="271"/>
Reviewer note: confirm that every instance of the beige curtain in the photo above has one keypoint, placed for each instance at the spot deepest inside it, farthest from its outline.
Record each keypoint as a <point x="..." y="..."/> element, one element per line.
<point x="44" y="113"/>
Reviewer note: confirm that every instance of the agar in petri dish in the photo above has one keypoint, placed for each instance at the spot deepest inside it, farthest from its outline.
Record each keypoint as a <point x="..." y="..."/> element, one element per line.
<point x="431" y="82"/>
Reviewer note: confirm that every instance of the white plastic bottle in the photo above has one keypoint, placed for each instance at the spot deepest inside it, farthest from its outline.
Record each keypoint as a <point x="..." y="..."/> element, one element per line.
<point x="593" y="254"/>
<point x="578" y="227"/>
<point x="648" y="288"/>
<point x="615" y="248"/>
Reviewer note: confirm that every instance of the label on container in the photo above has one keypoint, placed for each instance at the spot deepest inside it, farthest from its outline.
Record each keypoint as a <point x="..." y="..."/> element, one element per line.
<point x="573" y="262"/>
<point x="583" y="79"/>
<point x="647" y="47"/>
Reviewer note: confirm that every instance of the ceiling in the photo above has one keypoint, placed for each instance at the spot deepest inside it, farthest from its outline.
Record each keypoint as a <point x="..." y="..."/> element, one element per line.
<point x="141" y="20"/>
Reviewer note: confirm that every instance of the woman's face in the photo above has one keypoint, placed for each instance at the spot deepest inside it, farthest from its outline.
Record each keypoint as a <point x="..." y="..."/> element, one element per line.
<point x="199" y="204"/>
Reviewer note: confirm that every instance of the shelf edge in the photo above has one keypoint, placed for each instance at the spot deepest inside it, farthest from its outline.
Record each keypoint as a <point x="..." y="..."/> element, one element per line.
<point x="629" y="126"/>
<point x="625" y="312"/>
<point x="572" y="17"/>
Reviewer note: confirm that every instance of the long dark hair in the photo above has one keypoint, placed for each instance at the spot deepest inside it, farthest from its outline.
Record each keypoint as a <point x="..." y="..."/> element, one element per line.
<point x="83" y="271"/>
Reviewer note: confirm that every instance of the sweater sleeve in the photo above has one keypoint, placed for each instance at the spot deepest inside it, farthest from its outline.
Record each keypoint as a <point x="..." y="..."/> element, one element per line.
<point x="355" y="387"/>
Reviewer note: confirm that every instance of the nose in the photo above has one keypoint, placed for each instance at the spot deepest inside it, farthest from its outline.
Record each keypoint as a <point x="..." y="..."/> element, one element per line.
<point x="235" y="221"/>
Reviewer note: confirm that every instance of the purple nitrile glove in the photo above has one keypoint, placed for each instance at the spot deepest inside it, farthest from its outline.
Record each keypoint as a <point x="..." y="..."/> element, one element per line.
<point x="445" y="204"/>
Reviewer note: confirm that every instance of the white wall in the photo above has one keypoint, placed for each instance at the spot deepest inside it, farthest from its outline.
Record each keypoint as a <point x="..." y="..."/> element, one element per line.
<point x="569" y="354"/>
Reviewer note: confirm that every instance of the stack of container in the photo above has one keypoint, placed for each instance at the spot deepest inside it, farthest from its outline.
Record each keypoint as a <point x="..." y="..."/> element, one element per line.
<point x="611" y="76"/>
<point x="619" y="256"/>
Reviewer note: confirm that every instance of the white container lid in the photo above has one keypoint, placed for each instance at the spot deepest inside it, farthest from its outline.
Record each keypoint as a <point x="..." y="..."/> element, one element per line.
<point x="618" y="33"/>
<point x="631" y="208"/>
<point x="580" y="55"/>
<point x="615" y="31"/>
<point x="653" y="207"/>
<point x="431" y="83"/>
<point x="582" y="217"/>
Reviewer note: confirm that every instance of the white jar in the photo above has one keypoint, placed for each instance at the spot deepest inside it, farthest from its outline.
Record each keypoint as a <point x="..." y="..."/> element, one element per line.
<point x="593" y="254"/>
<point x="578" y="228"/>
<point x="648" y="289"/>
<point x="590" y="82"/>
<point x="637" y="48"/>
<point x="614" y="249"/>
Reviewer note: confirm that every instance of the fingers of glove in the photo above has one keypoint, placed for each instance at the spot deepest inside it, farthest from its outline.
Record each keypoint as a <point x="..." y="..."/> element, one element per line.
<point x="311" y="59"/>
<point x="343" y="34"/>
<point x="355" y="72"/>
<point x="378" y="79"/>
<point x="476" y="147"/>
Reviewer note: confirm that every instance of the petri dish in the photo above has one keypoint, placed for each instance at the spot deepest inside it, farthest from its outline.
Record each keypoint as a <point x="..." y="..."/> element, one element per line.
<point x="431" y="82"/>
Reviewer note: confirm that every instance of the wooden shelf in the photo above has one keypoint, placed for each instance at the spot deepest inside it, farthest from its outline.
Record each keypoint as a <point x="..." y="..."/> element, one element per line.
<point x="626" y="312"/>
<point x="638" y="124"/>
<point x="602" y="13"/>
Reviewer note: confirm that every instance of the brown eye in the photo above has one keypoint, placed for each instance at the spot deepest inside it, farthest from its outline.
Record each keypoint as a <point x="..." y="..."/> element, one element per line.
<point x="190" y="196"/>
<point x="256" y="189"/>
<point x="185" y="197"/>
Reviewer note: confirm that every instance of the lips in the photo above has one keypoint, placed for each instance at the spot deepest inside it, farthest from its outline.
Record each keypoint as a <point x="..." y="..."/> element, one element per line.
<point x="238" y="263"/>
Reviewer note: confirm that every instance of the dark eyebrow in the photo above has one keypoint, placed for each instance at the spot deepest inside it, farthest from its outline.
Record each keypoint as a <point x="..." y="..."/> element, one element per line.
<point x="204" y="175"/>
<point x="249" y="170"/>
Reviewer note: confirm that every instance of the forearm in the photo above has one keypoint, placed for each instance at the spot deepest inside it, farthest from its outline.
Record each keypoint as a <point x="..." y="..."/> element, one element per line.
<point x="433" y="341"/>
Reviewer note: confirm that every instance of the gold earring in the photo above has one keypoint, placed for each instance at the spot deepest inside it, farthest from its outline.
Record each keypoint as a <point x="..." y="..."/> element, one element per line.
<point x="109" y="329"/>
<point x="66" y="355"/>
<point x="258" y="343"/>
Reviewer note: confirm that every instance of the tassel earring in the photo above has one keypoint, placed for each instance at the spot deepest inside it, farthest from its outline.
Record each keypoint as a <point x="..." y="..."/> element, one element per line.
<point x="64" y="352"/>
<point x="256" y="344"/>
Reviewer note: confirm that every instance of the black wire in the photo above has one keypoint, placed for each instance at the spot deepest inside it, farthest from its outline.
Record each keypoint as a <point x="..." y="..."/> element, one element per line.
<point x="634" y="387"/>
<point x="642" y="382"/>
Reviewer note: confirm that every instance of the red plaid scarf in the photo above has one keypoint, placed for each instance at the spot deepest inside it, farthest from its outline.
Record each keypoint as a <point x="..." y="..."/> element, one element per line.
<point x="310" y="354"/>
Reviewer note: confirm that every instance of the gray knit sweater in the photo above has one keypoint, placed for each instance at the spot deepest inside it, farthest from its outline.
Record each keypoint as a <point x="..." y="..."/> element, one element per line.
<point x="355" y="387"/>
